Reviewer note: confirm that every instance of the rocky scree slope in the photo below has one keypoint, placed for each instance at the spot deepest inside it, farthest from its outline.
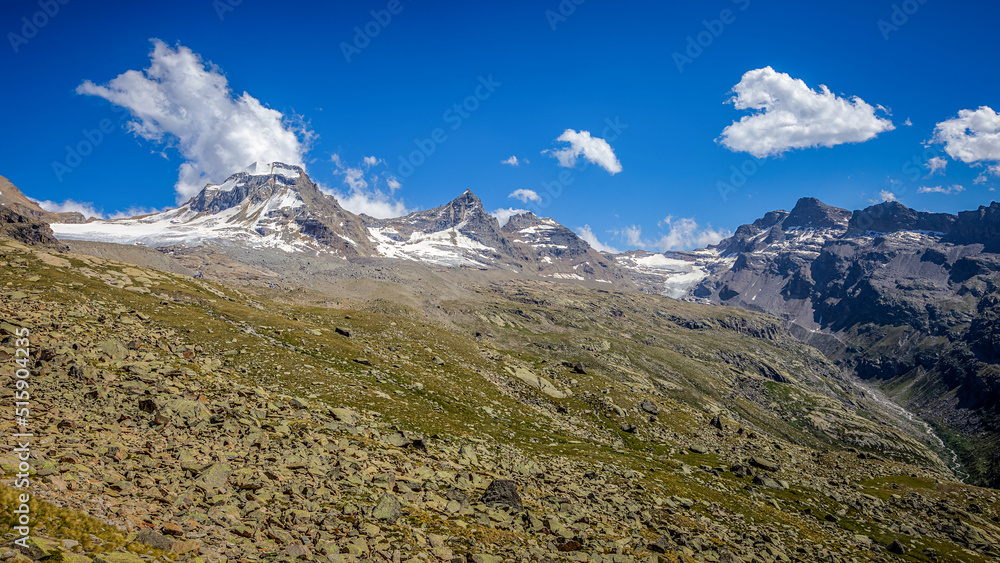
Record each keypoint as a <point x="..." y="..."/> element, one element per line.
<point x="196" y="422"/>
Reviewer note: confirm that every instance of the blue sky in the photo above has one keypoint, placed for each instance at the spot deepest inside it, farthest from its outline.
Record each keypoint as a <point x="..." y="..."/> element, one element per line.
<point x="642" y="112"/>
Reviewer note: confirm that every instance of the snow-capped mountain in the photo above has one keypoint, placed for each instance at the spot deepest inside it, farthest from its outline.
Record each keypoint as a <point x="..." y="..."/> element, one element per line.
<point x="459" y="233"/>
<point x="462" y="233"/>
<point x="271" y="205"/>
<point x="276" y="206"/>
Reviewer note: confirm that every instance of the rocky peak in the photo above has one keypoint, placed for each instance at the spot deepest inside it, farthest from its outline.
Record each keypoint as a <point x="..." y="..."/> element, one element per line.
<point x="811" y="213"/>
<point x="258" y="183"/>
<point x="465" y="208"/>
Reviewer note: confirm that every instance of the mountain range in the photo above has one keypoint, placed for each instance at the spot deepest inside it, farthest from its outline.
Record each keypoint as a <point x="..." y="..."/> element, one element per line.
<point x="278" y="207"/>
<point x="904" y="299"/>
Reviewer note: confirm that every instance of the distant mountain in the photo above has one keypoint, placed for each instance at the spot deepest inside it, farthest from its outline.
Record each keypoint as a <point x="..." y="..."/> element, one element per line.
<point x="906" y="299"/>
<point x="277" y="207"/>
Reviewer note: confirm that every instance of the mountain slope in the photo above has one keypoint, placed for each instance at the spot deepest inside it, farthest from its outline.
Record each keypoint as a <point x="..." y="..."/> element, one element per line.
<point x="212" y="422"/>
<point x="902" y="298"/>
<point x="13" y="199"/>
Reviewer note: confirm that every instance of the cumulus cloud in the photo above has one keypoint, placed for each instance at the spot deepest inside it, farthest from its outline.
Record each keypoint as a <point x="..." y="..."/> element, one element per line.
<point x="937" y="164"/>
<point x="526" y="195"/>
<point x="683" y="234"/>
<point x="504" y="215"/>
<point x="956" y="189"/>
<point x="788" y="114"/>
<point x="588" y="235"/>
<point x="973" y="137"/>
<point x="886" y="195"/>
<point x="511" y="161"/>
<point x="594" y="149"/>
<point x="183" y="102"/>
<point x="363" y="195"/>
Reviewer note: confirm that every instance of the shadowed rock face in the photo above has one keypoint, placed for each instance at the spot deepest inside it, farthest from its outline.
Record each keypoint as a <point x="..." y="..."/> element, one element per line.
<point x="979" y="226"/>
<point x="892" y="216"/>
<point x="895" y="294"/>
<point x="24" y="229"/>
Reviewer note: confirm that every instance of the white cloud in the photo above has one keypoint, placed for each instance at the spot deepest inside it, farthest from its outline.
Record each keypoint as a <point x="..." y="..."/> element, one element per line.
<point x="684" y="234"/>
<point x="185" y="103"/>
<point x="886" y="195"/>
<point x="504" y="215"/>
<point x="594" y="149"/>
<point x="937" y="164"/>
<point x="355" y="178"/>
<point x="790" y="115"/>
<point x="87" y="209"/>
<point x="364" y="195"/>
<point x="526" y="195"/>
<point x="590" y="238"/>
<point x="511" y="161"/>
<point x="973" y="137"/>
<point x="956" y="189"/>
<point x="376" y="204"/>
